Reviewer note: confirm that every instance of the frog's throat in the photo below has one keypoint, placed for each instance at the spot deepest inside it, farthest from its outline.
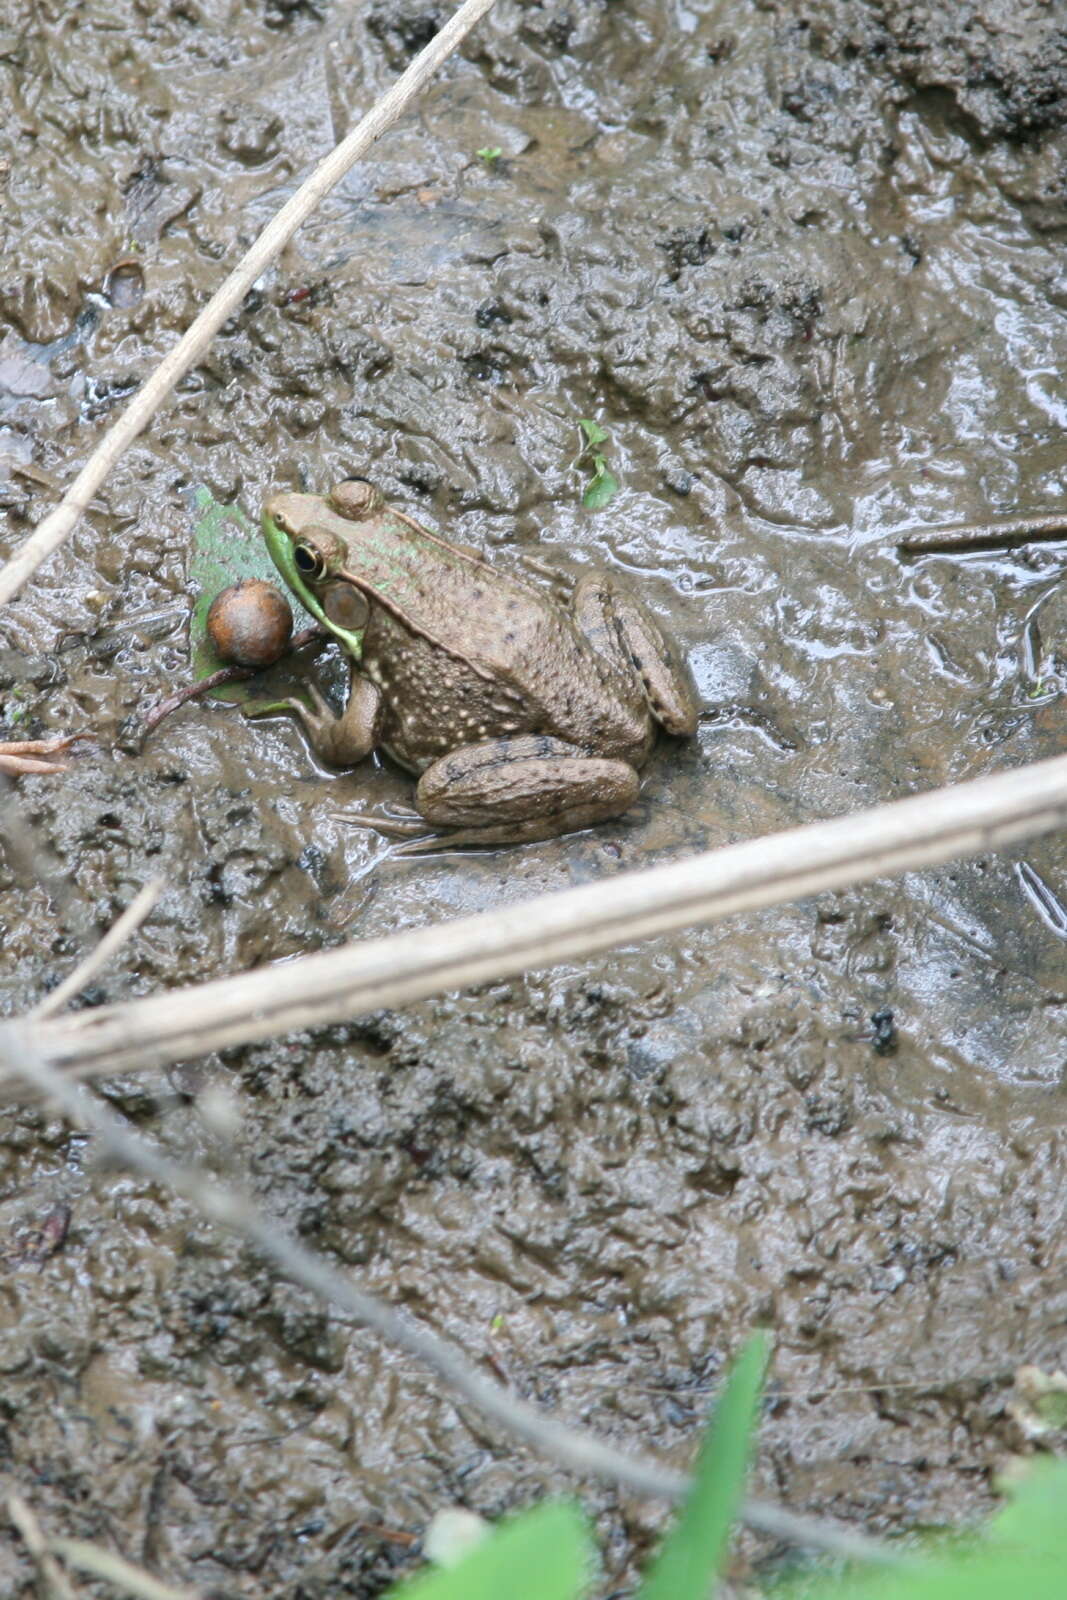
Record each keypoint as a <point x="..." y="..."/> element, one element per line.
<point x="280" y="550"/>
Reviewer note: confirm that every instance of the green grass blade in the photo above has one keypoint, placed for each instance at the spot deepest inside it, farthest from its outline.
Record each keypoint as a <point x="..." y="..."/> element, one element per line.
<point x="545" y="1554"/>
<point x="695" y="1549"/>
<point x="1023" y="1552"/>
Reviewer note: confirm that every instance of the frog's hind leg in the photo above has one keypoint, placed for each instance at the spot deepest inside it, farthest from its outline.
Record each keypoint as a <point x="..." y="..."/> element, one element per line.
<point x="514" y="791"/>
<point x="621" y="627"/>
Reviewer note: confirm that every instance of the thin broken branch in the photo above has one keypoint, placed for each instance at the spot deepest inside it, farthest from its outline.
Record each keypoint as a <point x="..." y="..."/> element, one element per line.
<point x="982" y="535"/>
<point x="115" y="937"/>
<point x="60" y="522"/>
<point x="20" y="758"/>
<point x="122" y="1574"/>
<point x="315" y="634"/>
<point x="53" y="1583"/>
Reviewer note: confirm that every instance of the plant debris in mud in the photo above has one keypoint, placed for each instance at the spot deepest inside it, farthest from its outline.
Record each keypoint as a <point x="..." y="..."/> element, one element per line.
<point x="603" y="485"/>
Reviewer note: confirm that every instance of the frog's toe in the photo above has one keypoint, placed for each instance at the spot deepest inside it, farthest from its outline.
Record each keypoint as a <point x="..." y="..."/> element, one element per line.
<point x="430" y="844"/>
<point x="673" y="701"/>
<point x="399" y="824"/>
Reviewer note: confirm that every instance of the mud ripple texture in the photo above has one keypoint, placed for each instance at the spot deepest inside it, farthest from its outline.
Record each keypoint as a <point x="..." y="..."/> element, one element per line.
<point x="805" y="262"/>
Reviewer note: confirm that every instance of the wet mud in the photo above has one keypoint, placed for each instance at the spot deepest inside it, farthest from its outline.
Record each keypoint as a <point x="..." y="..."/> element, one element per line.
<point x="804" y="262"/>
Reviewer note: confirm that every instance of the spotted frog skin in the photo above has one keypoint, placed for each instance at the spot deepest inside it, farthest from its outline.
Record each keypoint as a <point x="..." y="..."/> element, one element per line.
<point x="525" y="717"/>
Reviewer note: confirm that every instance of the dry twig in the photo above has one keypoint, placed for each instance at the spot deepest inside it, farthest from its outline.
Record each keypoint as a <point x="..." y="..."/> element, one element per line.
<point x="21" y="757"/>
<point x="101" y="1563"/>
<point x="59" y="523"/>
<point x="53" y="1582"/>
<point x="315" y="634"/>
<point x="982" y="535"/>
<point x="579" y="1451"/>
<point x="115" y="937"/>
<point x="336" y="985"/>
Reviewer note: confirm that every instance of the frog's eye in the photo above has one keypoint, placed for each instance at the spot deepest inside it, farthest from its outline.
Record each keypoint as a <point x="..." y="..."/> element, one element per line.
<point x="308" y="561"/>
<point x="355" y="498"/>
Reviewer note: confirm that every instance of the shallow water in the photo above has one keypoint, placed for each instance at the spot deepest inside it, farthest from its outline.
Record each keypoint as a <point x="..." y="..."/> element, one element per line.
<point x="804" y="262"/>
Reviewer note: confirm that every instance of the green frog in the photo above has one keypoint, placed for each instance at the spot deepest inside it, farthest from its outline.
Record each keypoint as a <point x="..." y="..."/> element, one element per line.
<point x="524" y="716"/>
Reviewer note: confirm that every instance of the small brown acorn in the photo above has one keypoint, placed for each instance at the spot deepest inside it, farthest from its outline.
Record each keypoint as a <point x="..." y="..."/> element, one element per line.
<point x="250" y="623"/>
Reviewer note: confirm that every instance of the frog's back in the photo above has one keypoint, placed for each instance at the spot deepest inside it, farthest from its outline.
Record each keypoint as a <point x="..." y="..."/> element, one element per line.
<point x="464" y="652"/>
<point x="427" y="582"/>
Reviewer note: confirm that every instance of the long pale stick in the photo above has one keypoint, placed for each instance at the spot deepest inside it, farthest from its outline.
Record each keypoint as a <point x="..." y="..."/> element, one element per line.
<point x="333" y="986"/>
<point x="51" y="532"/>
<point x="128" y="1579"/>
<point x="575" y="1448"/>
<point x="55" y="1584"/>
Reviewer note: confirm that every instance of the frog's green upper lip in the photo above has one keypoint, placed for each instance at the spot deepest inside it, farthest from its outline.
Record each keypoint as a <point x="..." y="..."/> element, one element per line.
<point x="279" y="541"/>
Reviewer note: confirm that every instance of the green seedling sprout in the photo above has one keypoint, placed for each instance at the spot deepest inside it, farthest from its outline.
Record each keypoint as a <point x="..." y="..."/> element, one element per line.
<point x="603" y="485"/>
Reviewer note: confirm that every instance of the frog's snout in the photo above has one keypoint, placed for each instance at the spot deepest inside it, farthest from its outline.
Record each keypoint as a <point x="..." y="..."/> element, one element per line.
<point x="279" y="509"/>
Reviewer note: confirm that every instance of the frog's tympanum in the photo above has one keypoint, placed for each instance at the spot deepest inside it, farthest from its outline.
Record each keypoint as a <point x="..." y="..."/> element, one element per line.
<point x="524" y="716"/>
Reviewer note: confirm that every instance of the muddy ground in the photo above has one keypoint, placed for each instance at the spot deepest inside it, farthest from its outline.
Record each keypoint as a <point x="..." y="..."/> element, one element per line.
<point x="804" y="262"/>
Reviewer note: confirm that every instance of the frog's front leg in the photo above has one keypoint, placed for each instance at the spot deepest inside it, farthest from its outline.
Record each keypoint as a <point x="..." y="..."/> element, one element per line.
<point x="339" y="741"/>
<point x="511" y="791"/>
<point x="619" y="626"/>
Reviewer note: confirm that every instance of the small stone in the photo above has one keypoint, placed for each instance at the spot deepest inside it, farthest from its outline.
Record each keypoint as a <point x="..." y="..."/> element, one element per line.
<point x="451" y="1535"/>
<point x="678" y="481"/>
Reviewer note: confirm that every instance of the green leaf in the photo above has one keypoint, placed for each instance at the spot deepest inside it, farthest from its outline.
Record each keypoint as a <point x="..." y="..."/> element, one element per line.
<point x="227" y="546"/>
<point x="694" y="1551"/>
<point x="1022" y="1552"/>
<point x="544" y="1554"/>
<point x="594" y="433"/>
<point x="489" y="153"/>
<point x="602" y="487"/>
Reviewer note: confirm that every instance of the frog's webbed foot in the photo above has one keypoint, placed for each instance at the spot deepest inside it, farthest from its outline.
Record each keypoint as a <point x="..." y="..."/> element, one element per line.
<point x="516" y="791"/>
<point x="339" y="741"/>
<point x="20" y="758"/>
<point x="621" y="627"/>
